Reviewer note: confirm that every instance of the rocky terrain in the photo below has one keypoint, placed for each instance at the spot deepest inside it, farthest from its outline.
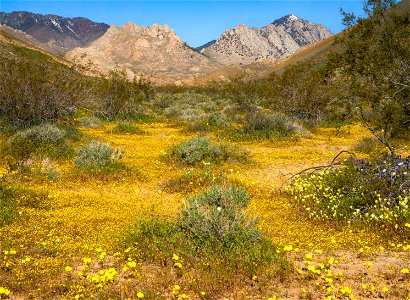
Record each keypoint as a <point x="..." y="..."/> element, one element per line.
<point x="157" y="51"/>
<point x="282" y="38"/>
<point x="154" y="51"/>
<point x="54" y="33"/>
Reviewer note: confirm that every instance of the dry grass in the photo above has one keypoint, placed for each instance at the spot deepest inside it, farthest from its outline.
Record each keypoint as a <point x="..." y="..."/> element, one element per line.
<point x="72" y="249"/>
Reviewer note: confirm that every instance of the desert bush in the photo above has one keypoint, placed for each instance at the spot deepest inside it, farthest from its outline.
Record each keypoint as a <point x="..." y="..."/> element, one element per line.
<point x="212" y="121"/>
<point x="122" y="97"/>
<point x="42" y="140"/>
<point x="268" y="125"/>
<point x="90" y="122"/>
<point x="35" y="88"/>
<point x="217" y="215"/>
<point x="366" y="191"/>
<point x="202" y="149"/>
<point x="212" y="234"/>
<point x="127" y="128"/>
<point x="96" y="155"/>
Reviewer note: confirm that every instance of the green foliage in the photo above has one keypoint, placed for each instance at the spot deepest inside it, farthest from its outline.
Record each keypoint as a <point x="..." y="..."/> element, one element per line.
<point x="212" y="234"/>
<point x="127" y="128"/>
<point x="95" y="156"/>
<point x="368" y="145"/>
<point x="217" y="216"/>
<point x="90" y="122"/>
<point x="43" y="140"/>
<point x="265" y="125"/>
<point x="122" y="97"/>
<point x="374" y="192"/>
<point x="8" y="205"/>
<point x="35" y="88"/>
<point x="201" y="149"/>
<point x="374" y="64"/>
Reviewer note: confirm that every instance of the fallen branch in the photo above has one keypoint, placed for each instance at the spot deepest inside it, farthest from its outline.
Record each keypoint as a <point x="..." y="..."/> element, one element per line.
<point x="332" y="164"/>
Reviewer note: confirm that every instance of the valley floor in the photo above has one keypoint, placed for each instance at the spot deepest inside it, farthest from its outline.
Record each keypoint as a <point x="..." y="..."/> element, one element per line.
<point x="77" y="230"/>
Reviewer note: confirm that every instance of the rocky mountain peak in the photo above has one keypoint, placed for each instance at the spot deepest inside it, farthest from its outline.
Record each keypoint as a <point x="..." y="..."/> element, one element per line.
<point x="282" y="38"/>
<point x="286" y="20"/>
<point x="155" y="50"/>
<point x="61" y="33"/>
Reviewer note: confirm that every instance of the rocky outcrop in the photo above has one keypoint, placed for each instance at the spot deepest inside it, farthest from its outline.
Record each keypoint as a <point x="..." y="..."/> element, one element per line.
<point x="277" y="40"/>
<point x="155" y="51"/>
<point x="56" y="33"/>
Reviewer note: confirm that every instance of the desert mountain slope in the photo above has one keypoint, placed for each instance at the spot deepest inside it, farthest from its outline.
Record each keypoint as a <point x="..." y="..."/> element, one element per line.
<point x="57" y="33"/>
<point x="277" y="40"/>
<point x="155" y="51"/>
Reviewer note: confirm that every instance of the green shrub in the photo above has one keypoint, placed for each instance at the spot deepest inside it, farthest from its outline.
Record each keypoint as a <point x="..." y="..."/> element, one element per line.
<point x="201" y="149"/>
<point x="90" y="122"/>
<point x="42" y="140"/>
<point x="217" y="215"/>
<point x="212" y="235"/>
<point x="263" y="125"/>
<point x="96" y="155"/>
<point x="127" y="128"/>
<point x="212" y="121"/>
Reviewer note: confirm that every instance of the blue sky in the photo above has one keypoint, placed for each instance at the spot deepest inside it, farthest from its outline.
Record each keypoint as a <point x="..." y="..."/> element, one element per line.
<point x="196" y="22"/>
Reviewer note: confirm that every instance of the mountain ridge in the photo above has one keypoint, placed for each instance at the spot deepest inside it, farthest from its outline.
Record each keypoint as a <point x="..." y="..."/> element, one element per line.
<point x="281" y="38"/>
<point x="57" y="33"/>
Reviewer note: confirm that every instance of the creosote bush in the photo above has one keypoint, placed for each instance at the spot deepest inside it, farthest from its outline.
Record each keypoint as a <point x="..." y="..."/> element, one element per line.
<point x="96" y="155"/>
<point x="43" y="140"/>
<point x="200" y="149"/>
<point x="211" y="234"/>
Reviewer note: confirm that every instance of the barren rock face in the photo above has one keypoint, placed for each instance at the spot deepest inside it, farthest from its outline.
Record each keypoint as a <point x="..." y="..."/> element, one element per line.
<point x="282" y="38"/>
<point x="155" y="51"/>
<point x="57" y="33"/>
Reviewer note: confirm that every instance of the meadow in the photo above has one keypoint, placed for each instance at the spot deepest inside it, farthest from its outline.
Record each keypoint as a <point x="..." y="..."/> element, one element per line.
<point x="67" y="239"/>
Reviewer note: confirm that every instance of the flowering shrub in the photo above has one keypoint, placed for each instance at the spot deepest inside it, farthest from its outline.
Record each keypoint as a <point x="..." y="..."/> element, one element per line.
<point x="370" y="191"/>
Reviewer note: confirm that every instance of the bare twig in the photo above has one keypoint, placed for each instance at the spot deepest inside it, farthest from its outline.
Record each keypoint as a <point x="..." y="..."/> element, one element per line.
<point x="315" y="168"/>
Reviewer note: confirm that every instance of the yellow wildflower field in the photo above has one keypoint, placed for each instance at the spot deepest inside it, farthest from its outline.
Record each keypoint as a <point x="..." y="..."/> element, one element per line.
<point x="69" y="246"/>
